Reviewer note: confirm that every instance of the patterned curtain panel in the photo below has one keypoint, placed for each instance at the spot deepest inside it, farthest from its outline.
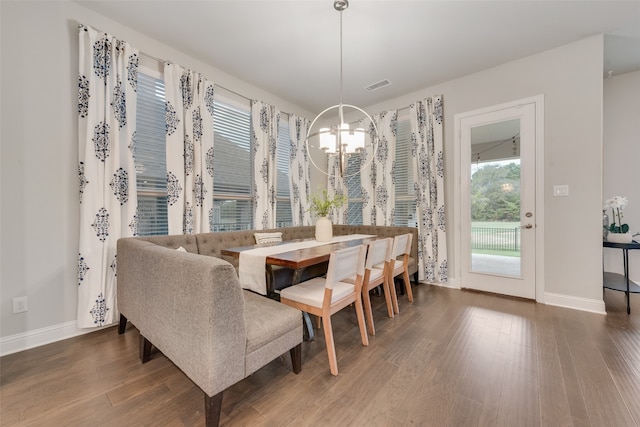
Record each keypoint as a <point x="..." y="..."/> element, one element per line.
<point x="299" y="171"/>
<point x="378" y="189"/>
<point x="336" y="185"/>
<point x="428" y="168"/>
<point x="108" y="75"/>
<point x="189" y="150"/>
<point x="264" y="131"/>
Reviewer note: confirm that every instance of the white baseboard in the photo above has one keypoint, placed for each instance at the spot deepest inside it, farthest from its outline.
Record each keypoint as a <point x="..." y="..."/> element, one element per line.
<point x="451" y="284"/>
<point x="38" y="337"/>
<point x="559" y="300"/>
<point x="62" y="331"/>
<point x="576" y="303"/>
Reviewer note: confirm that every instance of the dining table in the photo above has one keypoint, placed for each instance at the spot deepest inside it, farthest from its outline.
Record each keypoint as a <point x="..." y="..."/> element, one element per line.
<point x="255" y="261"/>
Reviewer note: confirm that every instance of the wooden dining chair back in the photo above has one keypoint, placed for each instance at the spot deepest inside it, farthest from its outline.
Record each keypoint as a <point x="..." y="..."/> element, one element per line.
<point x="376" y="273"/>
<point x="399" y="263"/>
<point x="324" y="297"/>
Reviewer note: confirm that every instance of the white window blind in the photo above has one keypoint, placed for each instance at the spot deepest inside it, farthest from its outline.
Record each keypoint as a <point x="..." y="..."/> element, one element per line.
<point x="150" y="156"/>
<point x="405" y="206"/>
<point x="354" y="190"/>
<point x="232" y="172"/>
<point x="283" y="156"/>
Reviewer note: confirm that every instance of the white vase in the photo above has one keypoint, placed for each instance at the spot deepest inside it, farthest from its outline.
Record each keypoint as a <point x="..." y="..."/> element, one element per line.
<point x="324" y="229"/>
<point x="619" y="237"/>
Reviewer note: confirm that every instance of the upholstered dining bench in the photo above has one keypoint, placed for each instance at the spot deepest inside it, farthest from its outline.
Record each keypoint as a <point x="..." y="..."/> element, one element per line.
<point x="191" y="307"/>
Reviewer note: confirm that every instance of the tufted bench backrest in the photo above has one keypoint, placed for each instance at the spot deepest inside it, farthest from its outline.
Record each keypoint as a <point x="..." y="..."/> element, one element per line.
<point x="387" y="231"/>
<point x="211" y="244"/>
<point x="187" y="241"/>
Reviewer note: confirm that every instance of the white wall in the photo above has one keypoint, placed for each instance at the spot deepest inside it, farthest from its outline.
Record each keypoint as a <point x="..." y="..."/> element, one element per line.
<point x="39" y="156"/>
<point x="622" y="158"/>
<point x="570" y="78"/>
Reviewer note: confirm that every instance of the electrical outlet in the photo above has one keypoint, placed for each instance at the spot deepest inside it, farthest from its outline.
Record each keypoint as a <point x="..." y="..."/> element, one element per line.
<point x="20" y="305"/>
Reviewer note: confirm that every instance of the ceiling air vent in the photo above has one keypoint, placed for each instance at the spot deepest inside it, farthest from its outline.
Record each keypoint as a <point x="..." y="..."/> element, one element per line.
<point x="378" y="85"/>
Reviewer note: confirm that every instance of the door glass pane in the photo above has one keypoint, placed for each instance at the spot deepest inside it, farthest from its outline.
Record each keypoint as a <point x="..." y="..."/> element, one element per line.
<point x="495" y="199"/>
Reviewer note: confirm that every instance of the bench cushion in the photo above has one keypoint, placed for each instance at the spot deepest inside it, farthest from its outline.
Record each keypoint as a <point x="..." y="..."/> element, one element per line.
<point x="270" y="327"/>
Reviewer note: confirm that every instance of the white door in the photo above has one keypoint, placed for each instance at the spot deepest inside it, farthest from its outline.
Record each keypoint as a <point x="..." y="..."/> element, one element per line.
<point x="498" y="200"/>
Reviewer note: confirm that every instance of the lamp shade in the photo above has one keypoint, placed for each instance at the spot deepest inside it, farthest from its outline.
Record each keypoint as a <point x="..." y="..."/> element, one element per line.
<point x="327" y="140"/>
<point x="343" y="132"/>
<point x="356" y="141"/>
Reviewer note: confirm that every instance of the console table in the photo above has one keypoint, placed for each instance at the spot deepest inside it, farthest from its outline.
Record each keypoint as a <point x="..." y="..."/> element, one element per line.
<point x="619" y="282"/>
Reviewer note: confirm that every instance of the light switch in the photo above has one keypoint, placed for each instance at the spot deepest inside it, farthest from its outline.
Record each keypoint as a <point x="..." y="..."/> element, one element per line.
<point x="560" y="190"/>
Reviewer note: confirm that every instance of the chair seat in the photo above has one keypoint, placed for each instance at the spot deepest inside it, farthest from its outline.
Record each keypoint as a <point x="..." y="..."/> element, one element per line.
<point x="311" y="292"/>
<point x="375" y="274"/>
<point x="412" y="266"/>
<point x="399" y="269"/>
<point x="282" y="277"/>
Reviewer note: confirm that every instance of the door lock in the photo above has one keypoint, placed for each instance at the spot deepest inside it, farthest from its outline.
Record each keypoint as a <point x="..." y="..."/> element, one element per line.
<point x="527" y="226"/>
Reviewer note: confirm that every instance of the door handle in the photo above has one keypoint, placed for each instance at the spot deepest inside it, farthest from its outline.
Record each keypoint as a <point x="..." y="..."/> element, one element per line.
<point x="527" y="226"/>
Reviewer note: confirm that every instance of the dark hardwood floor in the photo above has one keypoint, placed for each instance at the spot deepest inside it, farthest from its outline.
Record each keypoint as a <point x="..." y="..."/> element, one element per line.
<point x="451" y="358"/>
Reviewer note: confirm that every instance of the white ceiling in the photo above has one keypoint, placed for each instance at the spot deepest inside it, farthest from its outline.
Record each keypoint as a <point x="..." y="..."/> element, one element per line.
<point x="291" y="48"/>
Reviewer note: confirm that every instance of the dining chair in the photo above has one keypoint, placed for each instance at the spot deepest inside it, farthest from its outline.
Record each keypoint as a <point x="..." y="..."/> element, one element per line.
<point x="399" y="266"/>
<point x="325" y="296"/>
<point x="376" y="273"/>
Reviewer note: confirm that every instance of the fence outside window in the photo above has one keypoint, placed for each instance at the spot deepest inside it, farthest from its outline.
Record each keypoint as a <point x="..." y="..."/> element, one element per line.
<point x="495" y="239"/>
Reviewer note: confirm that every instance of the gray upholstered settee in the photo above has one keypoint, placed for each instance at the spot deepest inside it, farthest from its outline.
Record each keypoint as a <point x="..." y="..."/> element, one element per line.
<point x="191" y="307"/>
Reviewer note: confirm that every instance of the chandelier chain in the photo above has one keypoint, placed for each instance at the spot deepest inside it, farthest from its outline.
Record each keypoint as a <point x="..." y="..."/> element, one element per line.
<point x="330" y="140"/>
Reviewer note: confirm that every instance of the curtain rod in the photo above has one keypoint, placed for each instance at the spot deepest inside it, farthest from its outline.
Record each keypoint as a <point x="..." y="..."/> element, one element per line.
<point x="160" y="60"/>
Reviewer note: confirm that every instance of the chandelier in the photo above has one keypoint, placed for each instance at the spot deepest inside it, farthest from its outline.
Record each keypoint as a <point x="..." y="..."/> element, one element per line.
<point x="341" y="140"/>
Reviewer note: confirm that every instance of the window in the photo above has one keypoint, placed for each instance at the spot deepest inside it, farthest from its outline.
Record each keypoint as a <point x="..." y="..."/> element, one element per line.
<point x="232" y="172"/>
<point x="233" y="202"/>
<point x="283" y="160"/>
<point x="233" y="175"/>
<point x="354" y="190"/>
<point x="150" y="156"/>
<point x="405" y="207"/>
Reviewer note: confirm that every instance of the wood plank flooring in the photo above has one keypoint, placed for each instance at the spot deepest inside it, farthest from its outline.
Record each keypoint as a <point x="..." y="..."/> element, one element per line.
<point x="451" y="358"/>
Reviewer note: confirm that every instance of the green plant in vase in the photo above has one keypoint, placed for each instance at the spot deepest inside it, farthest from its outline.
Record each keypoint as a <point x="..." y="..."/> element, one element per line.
<point x="322" y="204"/>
